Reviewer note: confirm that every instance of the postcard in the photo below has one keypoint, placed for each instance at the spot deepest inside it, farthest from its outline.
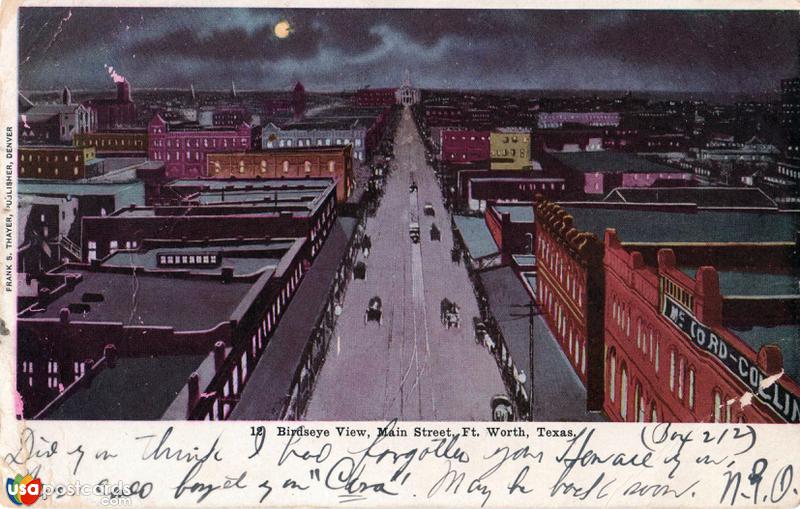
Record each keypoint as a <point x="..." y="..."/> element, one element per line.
<point x="439" y="255"/>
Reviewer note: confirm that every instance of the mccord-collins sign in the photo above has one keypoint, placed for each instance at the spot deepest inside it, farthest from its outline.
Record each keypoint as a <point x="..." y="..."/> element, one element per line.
<point x="783" y="402"/>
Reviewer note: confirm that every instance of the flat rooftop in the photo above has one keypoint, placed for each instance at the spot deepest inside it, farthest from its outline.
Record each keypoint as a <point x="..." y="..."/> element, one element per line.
<point x="611" y="162"/>
<point x="124" y="193"/>
<point x="476" y="236"/>
<point x="309" y="183"/>
<point x="138" y="388"/>
<point x="722" y="197"/>
<point x="245" y="260"/>
<point x="184" y="303"/>
<point x="268" y="197"/>
<point x="753" y="283"/>
<point x="519" y="213"/>
<point x="787" y="337"/>
<point x="702" y="226"/>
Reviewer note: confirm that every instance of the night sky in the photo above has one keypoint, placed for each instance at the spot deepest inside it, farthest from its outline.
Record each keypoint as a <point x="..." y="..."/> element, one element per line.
<point x="329" y="50"/>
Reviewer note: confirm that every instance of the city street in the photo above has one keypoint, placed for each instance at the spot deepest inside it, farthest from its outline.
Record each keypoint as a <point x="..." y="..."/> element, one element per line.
<point x="410" y="366"/>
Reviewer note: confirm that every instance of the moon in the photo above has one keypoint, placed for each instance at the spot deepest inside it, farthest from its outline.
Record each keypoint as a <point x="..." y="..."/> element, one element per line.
<point x="282" y="29"/>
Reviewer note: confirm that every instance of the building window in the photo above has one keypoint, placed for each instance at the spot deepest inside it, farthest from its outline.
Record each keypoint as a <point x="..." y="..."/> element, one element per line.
<point x="653" y="412"/>
<point x="612" y="373"/>
<point x="623" y="393"/>
<point x="263" y="166"/>
<point x="331" y="166"/>
<point x="286" y="167"/>
<point x="307" y="166"/>
<point x="241" y="166"/>
<point x="681" y="376"/>
<point x="691" y="388"/>
<point x="672" y="371"/>
<point x="639" y="403"/>
<point x="717" y="406"/>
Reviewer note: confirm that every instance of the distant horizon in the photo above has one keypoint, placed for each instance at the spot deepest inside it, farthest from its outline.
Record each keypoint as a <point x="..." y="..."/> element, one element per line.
<point x="556" y="92"/>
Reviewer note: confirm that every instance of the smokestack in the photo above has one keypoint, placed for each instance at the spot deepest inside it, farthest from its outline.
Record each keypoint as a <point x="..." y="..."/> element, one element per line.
<point x="123" y="91"/>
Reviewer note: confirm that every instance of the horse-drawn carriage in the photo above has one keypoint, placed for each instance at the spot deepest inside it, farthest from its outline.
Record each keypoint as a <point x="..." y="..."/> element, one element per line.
<point x="455" y="255"/>
<point x="449" y="314"/>
<point x="435" y="233"/>
<point x="374" y="312"/>
<point x="360" y="270"/>
<point x="366" y="245"/>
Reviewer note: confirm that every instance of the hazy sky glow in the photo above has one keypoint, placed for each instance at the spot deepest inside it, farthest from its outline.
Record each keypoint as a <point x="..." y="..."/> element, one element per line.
<point x="738" y="52"/>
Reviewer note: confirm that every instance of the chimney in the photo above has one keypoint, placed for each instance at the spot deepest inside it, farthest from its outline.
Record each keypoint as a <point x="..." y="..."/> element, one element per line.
<point x="219" y="355"/>
<point x="88" y="374"/>
<point x="770" y="359"/>
<point x="63" y="316"/>
<point x="123" y="91"/>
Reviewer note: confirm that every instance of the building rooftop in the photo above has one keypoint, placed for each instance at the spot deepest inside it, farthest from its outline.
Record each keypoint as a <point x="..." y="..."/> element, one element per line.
<point x="125" y="193"/>
<point x="136" y="389"/>
<point x="244" y="259"/>
<point x="476" y="236"/>
<point x="519" y="213"/>
<point x="787" y="337"/>
<point x="280" y="198"/>
<point x="310" y="183"/>
<point x="338" y="124"/>
<point x="146" y="299"/>
<point x="703" y="226"/>
<point x="753" y="283"/>
<point x="704" y="197"/>
<point x="611" y="162"/>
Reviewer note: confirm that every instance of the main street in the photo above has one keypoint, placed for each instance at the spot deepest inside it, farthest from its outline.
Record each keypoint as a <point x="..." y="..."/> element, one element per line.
<point x="410" y="367"/>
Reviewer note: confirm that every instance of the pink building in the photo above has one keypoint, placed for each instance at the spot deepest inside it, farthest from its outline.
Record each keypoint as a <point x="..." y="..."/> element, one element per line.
<point x="183" y="147"/>
<point x="557" y="119"/>
<point x="465" y="146"/>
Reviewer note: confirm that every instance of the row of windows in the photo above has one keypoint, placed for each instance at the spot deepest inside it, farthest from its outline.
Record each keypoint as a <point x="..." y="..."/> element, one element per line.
<point x="567" y="331"/>
<point x="789" y="173"/>
<point x="677" y="292"/>
<point x="307" y="166"/>
<point x="92" y="142"/>
<point x="56" y="171"/>
<point x="195" y="142"/>
<point x="320" y="142"/>
<point x="565" y="269"/>
<point x="47" y="158"/>
<point x="722" y="407"/>
<point x="648" y="341"/>
<point x="187" y="259"/>
<point x="509" y="152"/>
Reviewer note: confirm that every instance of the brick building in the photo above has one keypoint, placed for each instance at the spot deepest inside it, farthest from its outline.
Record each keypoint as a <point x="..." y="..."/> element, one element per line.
<point x="685" y="343"/>
<point x="114" y="143"/>
<point x="465" y="146"/>
<point x="292" y="163"/>
<point x="116" y="112"/>
<point x="58" y="163"/>
<point x="184" y="147"/>
<point x="596" y="173"/>
<point x="86" y="350"/>
<point x="208" y="208"/>
<point x="510" y="149"/>
<point x="570" y="292"/>
<point x="682" y="269"/>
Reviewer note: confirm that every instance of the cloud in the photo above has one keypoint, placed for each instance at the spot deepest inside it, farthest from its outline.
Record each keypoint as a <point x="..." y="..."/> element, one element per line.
<point x="336" y="48"/>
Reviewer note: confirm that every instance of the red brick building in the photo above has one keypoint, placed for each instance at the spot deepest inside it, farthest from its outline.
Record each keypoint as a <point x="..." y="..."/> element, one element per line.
<point x="116" y="112"/>
<point x="569" y="289"/>
<point x="465" y="146"/>
<point x="327" y="162"/>
<point x="677" y="349"/>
